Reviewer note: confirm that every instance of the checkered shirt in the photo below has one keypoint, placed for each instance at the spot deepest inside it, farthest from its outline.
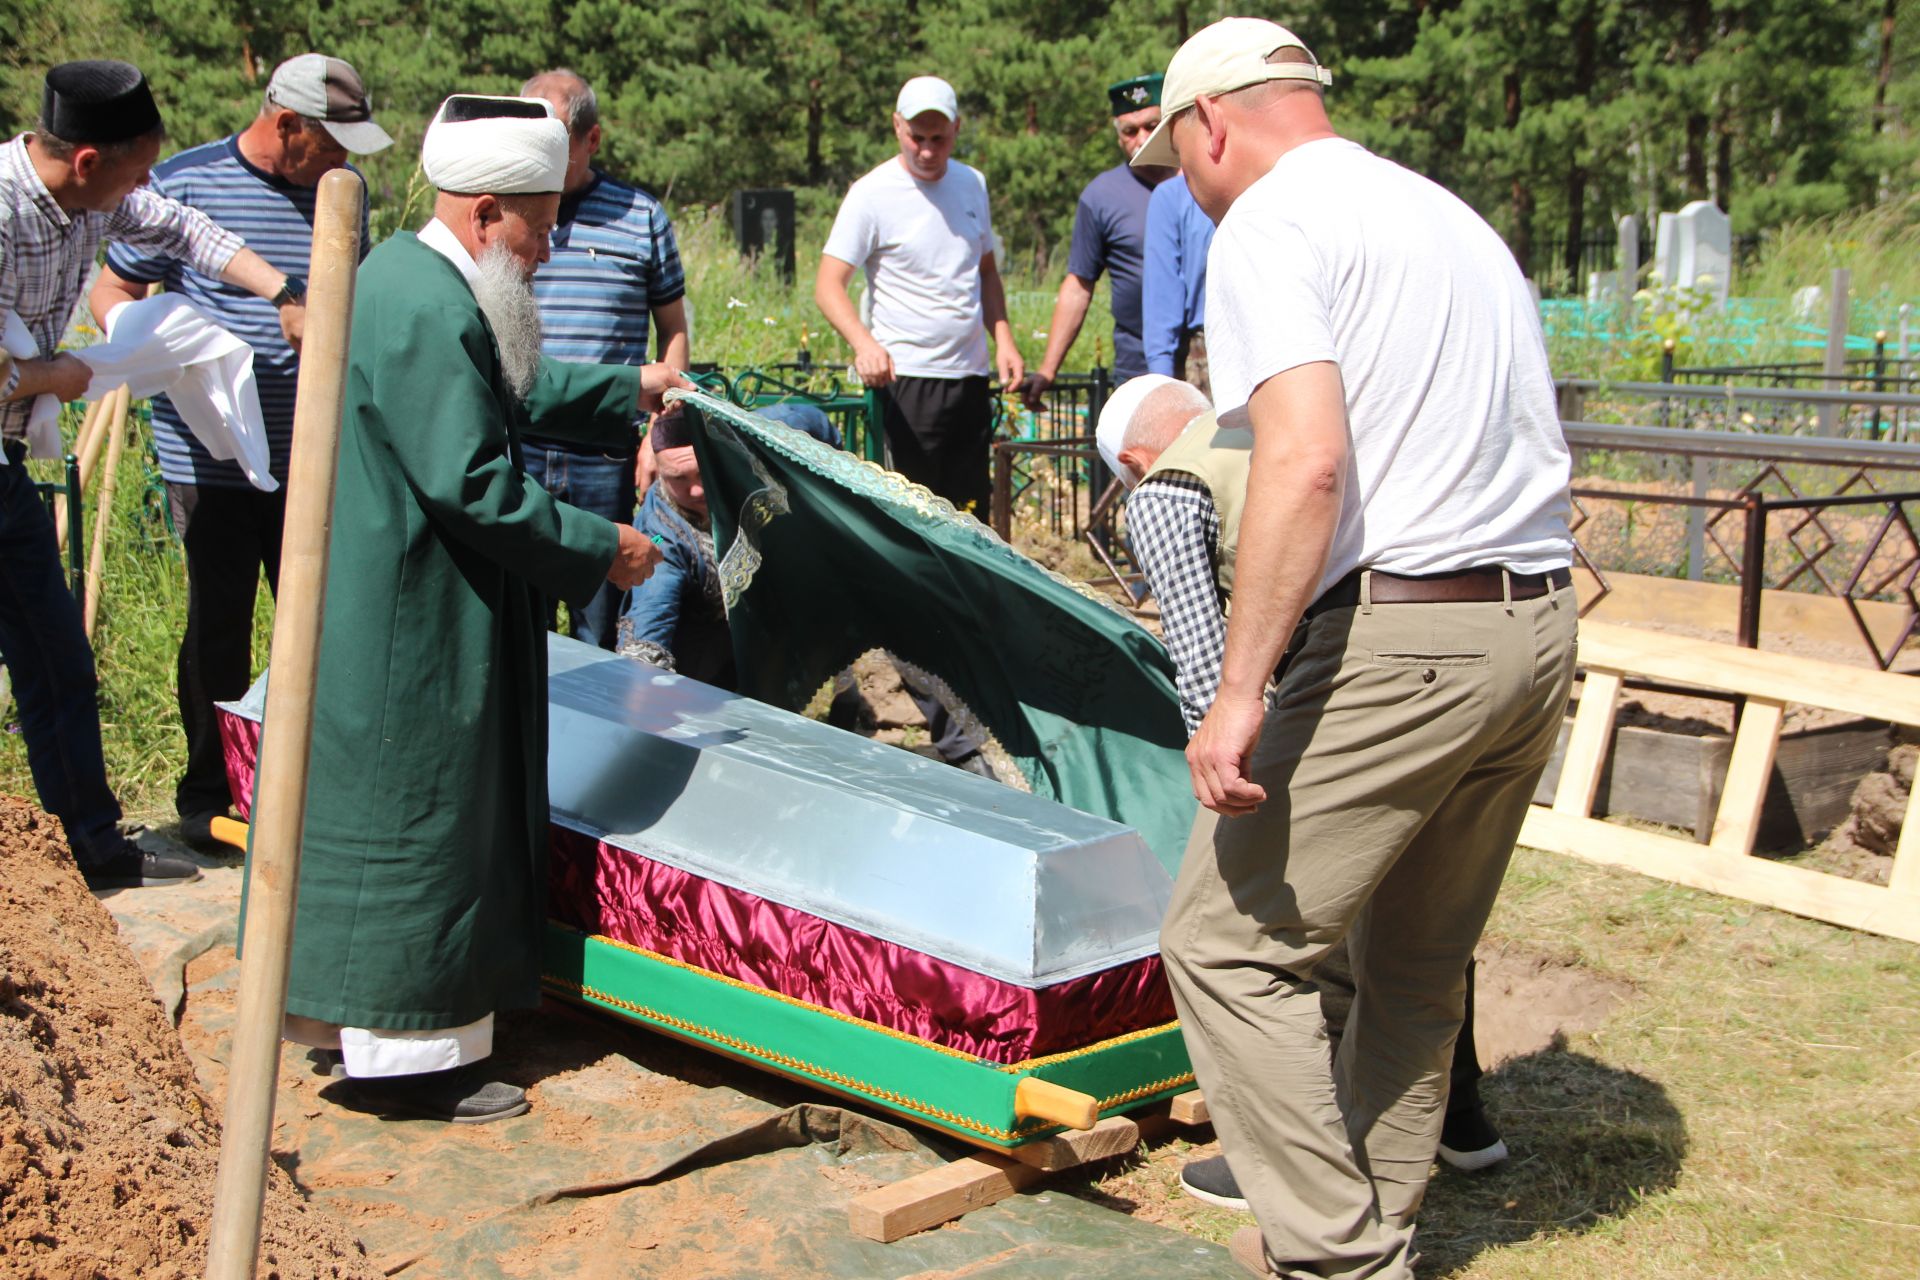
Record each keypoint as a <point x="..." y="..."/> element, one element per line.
<point x="46" y="253"/>
<point x="1174" y="530"/>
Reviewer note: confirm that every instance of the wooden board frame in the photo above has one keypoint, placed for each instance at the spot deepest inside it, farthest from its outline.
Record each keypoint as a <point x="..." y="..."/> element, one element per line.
<point x="1725" y="863"/>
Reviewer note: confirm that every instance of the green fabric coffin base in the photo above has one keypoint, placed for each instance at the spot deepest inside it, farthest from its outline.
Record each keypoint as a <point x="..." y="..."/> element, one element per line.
<point x="968" y="1097"/>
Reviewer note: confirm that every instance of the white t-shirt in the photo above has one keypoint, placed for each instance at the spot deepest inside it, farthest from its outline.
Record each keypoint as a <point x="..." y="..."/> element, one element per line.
<point x="1457" y="458"/>
<point x="920" y="244"/>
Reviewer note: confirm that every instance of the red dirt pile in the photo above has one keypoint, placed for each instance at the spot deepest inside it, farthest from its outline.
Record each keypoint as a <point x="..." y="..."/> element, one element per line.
<point x="108" y="1145"/>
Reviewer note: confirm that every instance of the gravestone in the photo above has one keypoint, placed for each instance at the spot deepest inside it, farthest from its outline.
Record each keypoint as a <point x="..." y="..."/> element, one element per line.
<point x="1694" y="250"/>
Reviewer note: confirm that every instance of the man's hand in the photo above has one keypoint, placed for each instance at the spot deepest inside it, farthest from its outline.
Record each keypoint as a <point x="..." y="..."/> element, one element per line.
<point x="1034" y="390"/>
<point x="1013" y="370"/>
<point x="1219" y="754"/>
<point x="293" y="323"/>
<point x="65" y="377"/>
<point x="655" y="381"/>
<point x="874" y="365"/>
<point x="634" y="562"/>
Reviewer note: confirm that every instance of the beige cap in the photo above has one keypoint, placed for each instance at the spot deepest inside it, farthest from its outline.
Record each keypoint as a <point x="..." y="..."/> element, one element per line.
<point x="1231" y="54"/>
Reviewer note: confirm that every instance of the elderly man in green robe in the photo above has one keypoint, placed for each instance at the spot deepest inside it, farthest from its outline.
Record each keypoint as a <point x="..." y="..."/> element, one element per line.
<point x="421" y="890"/>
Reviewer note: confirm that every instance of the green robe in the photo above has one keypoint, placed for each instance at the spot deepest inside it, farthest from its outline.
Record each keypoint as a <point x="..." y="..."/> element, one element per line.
<point x="423" y="873"/>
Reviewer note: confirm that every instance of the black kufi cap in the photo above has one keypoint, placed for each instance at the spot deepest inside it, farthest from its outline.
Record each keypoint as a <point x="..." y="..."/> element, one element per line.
<point x="98" y="101"/>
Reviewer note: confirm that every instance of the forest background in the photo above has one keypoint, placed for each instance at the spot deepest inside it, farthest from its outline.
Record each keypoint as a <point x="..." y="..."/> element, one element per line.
<point x="1552" y="117"/>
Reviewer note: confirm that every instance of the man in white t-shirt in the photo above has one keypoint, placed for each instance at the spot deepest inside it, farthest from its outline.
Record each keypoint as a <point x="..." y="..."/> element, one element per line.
<point x="1401" y="581"/>
<point x="919" y="227"/>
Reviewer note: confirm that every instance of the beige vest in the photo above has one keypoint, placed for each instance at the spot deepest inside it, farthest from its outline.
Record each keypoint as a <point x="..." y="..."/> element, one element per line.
<point x="1218" y="457"/>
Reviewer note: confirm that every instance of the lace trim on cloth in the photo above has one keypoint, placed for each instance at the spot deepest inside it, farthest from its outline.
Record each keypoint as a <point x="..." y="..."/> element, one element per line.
<point x="868" y="479"/>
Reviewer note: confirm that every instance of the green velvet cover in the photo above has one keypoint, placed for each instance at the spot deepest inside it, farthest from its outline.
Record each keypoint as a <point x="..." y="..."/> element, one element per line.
<point x="928" y="1083"/>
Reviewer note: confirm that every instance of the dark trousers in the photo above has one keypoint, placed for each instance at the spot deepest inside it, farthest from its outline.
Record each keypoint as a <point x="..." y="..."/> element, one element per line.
<point x="50" y="664"/>
<point x="940" y="434"/>
<point x="603" y="484"/>
<point x="230" y="536"/>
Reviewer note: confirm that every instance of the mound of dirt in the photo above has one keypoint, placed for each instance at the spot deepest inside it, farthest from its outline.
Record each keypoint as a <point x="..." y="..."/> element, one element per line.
<point x="108" y="1145"/>
<point x="1862" y="847"/>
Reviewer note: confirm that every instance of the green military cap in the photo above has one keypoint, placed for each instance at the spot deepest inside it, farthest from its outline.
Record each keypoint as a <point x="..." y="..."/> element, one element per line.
<point x="1135" y="94"/>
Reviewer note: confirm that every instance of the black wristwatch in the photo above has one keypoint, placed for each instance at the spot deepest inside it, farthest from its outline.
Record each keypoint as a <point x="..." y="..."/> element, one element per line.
<point x="292" y="289"/>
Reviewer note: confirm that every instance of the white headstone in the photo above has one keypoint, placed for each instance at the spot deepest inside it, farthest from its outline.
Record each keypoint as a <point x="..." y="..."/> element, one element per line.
<point x="1664" y="251"/>
<point x="1703" y="249"/>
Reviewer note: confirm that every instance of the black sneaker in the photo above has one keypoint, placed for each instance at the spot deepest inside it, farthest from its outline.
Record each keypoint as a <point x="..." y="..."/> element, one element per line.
<point x="458" y="1096"/>
<point x="132" y="867"/>
<point x="196" y="832"/>
<point x="1469" y="1142"/>
<point x="327" y="1062"/>
<point x="1212" y="1180"/>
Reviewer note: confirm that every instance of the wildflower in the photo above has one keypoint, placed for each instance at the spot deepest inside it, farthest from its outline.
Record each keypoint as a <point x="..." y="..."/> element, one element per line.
<point x="734" y="302"/>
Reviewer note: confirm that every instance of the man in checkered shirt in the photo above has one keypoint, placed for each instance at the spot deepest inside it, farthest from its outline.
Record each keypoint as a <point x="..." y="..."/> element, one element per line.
<point x="1188" y="477"/>
<point x="75" y="182"/>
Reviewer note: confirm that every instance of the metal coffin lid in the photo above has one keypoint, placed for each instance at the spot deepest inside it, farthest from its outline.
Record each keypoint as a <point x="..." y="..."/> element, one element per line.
<point x="857" y="832"/>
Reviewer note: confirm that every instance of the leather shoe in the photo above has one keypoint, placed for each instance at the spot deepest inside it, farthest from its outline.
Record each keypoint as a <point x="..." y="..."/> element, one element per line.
<point x="458" y="1096"/>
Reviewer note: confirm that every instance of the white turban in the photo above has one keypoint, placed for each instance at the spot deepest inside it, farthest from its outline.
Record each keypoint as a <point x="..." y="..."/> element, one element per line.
<point x="495" y="146"/>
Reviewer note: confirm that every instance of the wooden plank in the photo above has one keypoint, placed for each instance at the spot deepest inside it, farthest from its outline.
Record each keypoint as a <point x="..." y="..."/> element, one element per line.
<point x="1190" y="1108"/>
<point x="938" y="1195"/>
<point x="1114" y="1136"/>
<point x="1637" y="599"/>
<point x="1738" y="820"/>
<point x="1587" y="744"/>
<point x="1659" y="655"/>
<point x="1803" y="892"/>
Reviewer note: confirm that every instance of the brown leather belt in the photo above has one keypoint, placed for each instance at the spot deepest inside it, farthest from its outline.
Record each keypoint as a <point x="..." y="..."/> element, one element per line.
<point x="1465" y="586"/>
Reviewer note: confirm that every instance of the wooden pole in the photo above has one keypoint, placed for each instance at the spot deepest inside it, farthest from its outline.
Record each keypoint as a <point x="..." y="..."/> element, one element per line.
<point x="93" y="434"/>
<point x="280" y="804"/>
<point x="118" y="402"/>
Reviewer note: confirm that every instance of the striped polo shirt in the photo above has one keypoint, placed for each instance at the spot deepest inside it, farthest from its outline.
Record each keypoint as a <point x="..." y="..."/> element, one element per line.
<point x="276" y="220"/>
<point x="614" y="261"/>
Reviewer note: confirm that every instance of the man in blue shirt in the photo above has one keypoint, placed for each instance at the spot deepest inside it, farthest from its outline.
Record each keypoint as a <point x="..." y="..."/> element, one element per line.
<point x="1173" y="313"/>
<point x="259" y="183"/>
<point x="615" y="269"/>
<point x="1109" y="229"/>
<point x="675" y="619"/>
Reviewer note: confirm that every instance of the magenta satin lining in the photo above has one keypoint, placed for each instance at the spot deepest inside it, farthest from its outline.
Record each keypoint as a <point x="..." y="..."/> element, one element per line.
<point x="603" y="889"/>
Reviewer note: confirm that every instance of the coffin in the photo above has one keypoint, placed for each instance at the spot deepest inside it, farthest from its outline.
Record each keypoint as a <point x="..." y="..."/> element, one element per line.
<point x="837" y="910"/>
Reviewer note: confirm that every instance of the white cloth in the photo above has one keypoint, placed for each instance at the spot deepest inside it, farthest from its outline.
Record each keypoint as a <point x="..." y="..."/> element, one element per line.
<point x="166" y="344"/>
<point x="920" y="244"/>
<point x="496" y="155"/>
<point x="439" y="237"/>
<point x="366" y="1052"/>
<point x="1457" y="459"/>
<point x="43" y="420"/>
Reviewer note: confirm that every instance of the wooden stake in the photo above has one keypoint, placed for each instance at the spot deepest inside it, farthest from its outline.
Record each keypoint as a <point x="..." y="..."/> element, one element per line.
<point x="93" y="434"/>
<point x="118" y="403"/>
<point x="281" y="795"/>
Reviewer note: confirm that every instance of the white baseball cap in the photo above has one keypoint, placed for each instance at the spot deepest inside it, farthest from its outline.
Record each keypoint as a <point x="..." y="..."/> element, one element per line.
<point x="1110" y="434"/>
<point x="1231" y="54"/>
<point x="329" y="90"/>
<point x="927" y="93"/>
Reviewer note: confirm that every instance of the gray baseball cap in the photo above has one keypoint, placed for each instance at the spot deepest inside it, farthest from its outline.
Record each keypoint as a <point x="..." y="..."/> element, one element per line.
<point x="329" y="90"/>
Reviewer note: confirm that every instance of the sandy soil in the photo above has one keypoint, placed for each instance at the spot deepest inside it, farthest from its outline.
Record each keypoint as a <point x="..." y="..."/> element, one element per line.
<point x="108" y="1144"/>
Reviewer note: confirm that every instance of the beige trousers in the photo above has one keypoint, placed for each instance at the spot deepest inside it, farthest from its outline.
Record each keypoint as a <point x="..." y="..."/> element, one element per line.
<point x="1399" y="753"/>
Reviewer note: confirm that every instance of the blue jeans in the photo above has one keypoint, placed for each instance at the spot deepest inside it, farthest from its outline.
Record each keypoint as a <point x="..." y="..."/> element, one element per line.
<point x="51" y="666"/>
<point x="603" y="484"/>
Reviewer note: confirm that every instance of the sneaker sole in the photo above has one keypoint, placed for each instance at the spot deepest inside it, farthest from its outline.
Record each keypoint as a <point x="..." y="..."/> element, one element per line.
<point x="1474" y="1161"/>
<point x="1236" y="1203"/>
<point x="143" y="883"/>
<point x="518" y="1109"/>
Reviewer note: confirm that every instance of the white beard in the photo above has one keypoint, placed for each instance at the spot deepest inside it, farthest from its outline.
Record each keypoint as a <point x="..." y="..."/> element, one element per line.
<point x="505" y="295"/>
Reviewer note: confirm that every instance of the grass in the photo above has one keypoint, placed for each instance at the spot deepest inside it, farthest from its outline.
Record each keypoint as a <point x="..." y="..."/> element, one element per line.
<point x="1752" y="1108"/>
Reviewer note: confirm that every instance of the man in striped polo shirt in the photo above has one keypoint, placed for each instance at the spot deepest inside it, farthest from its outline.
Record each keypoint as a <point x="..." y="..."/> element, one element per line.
<point x="261" y="184"/>
<point x="615" y="266"/>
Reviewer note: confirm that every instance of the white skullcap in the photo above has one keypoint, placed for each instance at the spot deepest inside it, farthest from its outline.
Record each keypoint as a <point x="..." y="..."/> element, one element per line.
<point x="1111" y="433"/>
<point x="495" y="146"/>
